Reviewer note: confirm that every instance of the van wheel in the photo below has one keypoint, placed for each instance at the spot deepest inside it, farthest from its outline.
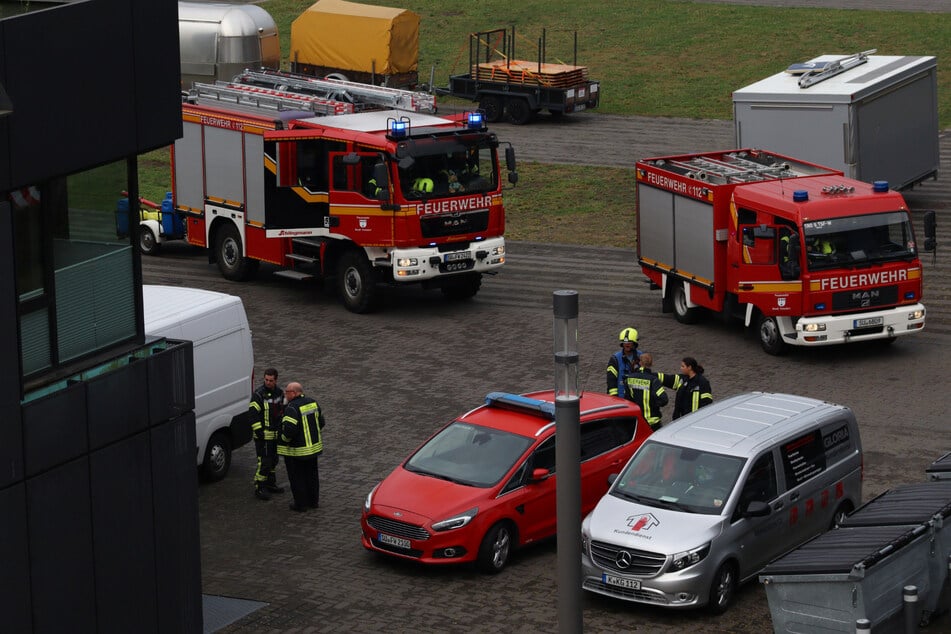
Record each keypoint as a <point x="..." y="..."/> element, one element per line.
<point x="723" y="588"/>
<point x="230" y="255"/>
<point x="769" y="336"/>
<point x="496" y="548"/>
<point x="148" y="245"/>
<point x="840" y="514"/>
<point x="217" y="457"/>
<point x="357" y="282"/>
<point x="684" y="313"/>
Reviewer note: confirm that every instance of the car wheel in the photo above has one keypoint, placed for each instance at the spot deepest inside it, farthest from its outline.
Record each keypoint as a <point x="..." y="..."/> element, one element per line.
<point x="769" y="336"/>
<point x="492" y="107"/>
<point x="148" y="244"/>
<point x="217" y="457"/>
<point x="230" y="255"/>
<point x="684" y="313"/>
<point x="496" y="548"/>
<point x="357" y="282"/>
<point x="840" y="514"/>
<point x="723" y="588"/>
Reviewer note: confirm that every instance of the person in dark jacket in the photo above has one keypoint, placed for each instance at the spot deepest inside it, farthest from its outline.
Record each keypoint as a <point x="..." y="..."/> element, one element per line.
<point x="622" y="363"/>
<point x="693" y="389"/>
<point x="647" y="390"/>
<point x="266" y="409"/>
<point x="300" y="443"/>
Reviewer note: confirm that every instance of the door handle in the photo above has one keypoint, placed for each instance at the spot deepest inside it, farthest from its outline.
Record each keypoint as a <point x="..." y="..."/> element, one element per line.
<point x="793" y="497"/>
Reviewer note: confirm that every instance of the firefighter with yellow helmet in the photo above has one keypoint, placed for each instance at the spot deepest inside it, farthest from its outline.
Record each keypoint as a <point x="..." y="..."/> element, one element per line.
<point x="623" y="363"/>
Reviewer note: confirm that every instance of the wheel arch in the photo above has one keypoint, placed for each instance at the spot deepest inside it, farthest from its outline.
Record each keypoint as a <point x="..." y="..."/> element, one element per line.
<point x="217" y="224"/>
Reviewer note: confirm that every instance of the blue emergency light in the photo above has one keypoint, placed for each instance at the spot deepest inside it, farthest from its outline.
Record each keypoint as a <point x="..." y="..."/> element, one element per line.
<point x="476" y="120"/>
<point x="521" y="403"/>
<point x="399" y="129"/>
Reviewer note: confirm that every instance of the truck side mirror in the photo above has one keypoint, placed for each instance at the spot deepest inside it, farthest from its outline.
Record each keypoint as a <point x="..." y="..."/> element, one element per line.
<point x="931" y="244"/>
<point x="510" y="164"/>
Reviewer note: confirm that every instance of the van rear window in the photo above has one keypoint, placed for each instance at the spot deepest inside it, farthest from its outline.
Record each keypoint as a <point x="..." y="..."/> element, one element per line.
<point x="809" y="454"/>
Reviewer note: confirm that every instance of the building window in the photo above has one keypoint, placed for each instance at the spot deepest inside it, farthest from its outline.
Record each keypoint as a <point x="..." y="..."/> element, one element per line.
<point x="74" y="274"/>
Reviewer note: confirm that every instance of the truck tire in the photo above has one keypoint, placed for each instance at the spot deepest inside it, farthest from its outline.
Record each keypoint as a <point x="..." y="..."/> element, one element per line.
<point x="492" y="107"/>
<point x="148" y="244"/>
<point x="462" y="286"/>
<point x="517" y="111"/>
<point x="357" y="283"/>
<point x="217" y="457"/>
<point x="229" y="253"/>
<point x="684" y="313"/>
<point x="770" y="337"/>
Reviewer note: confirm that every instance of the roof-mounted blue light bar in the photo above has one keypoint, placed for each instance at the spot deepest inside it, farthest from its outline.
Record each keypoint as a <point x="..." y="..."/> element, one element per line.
<point x="475" y="121"/>
<point x="521" y="403"/>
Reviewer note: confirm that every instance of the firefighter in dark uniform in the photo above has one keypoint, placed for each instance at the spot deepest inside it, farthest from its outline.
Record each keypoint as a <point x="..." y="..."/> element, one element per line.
<point x="300" y="444"/>
<point x="647" y="390"/>
<point x="622" y="363"/>
<point x="693" y="389"/>
<point x="266" y="408"/>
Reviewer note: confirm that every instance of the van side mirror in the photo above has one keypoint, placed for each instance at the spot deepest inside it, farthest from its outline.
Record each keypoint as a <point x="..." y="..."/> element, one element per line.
<point x="931" y="244"/>
<point x="756" y="508"/>
<point x="612" y="477"/>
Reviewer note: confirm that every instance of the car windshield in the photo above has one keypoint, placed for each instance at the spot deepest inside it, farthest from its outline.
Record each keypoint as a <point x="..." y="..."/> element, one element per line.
<point x="469" y="454"/>
<point x="858" y="240"/>
<point x="681" y="478"/>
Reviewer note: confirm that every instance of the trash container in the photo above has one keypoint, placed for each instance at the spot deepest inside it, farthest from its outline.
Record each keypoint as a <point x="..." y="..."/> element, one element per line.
<point x="940" y="469"/>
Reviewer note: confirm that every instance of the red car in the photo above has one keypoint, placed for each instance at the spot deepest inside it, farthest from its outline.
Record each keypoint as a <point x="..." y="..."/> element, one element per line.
<point x="484" y="484"/>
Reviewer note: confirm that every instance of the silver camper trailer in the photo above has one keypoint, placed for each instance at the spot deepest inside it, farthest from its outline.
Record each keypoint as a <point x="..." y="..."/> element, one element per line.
<point x="218" y="40"/>
<point x="875" y="117"/>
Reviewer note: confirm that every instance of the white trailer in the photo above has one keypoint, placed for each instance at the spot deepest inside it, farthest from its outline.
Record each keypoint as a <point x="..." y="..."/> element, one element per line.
<point x="875" y="117"/>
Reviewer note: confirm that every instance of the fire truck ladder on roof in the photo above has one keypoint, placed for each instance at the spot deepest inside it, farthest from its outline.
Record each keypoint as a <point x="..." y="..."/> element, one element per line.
<point x="732" y="168"/>
<point x="834" y="68"/>
<point x="337" y="89"/>
<point x="255" y="98"/>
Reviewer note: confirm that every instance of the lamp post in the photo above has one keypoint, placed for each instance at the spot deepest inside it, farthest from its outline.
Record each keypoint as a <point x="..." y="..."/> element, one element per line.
<point x="567" y="460"/>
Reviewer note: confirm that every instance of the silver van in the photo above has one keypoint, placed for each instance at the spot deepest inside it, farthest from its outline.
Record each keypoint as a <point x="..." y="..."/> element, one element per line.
<point x="707" y="501"/>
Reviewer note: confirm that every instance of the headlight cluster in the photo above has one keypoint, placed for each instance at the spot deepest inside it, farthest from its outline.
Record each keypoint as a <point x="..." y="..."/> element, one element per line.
<point x="456" y="521"/>
<point x="690" y="557"/>
<point x="407" y="262"/>
<point x="369" y="499"/>
<point x="916" y="314"/>
<point x="814" y="327"/>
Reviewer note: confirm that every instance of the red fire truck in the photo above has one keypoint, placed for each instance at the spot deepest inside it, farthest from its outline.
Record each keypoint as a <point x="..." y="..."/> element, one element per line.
<point x="801" y="253"/>
<point x="338" y="185"/>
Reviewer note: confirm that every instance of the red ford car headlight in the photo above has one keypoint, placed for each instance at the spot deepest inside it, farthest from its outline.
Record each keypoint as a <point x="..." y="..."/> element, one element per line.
<point x="456" y="521"/>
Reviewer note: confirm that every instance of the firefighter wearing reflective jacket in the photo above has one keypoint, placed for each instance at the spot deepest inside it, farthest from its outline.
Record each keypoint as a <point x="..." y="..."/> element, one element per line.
<point x="622" y="363"/>
<point x="300" y="444"/>
<point x="266" y="409"/>
<point x="647" y="390"/>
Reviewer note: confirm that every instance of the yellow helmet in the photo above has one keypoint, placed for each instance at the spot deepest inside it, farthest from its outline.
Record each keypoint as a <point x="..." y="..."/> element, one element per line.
<point x="423" y="185"/>
<point x="628" y="335"/>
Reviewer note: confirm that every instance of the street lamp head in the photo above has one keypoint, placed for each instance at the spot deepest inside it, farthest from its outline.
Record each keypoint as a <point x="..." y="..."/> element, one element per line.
<point x="567" y="383"/>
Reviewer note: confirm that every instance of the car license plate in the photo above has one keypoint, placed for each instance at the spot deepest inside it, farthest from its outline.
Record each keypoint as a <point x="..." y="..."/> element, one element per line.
<point x="455" y="257"/>
<point x="621" y="582"/>
<point x="865" y="322"/>
<point x="399" y="542"/>
<point x="459" y="265"/>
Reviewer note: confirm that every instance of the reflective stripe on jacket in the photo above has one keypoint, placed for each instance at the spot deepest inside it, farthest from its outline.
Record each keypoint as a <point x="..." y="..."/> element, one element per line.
<point x="266" y="410"/>
<point x="300" y="429"/>
<point x="645" y="389"/>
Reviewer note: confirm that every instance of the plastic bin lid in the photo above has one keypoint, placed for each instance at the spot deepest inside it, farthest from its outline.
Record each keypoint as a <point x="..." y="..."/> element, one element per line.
<point x="839" y="551"/>
<point x="909" y="504"/>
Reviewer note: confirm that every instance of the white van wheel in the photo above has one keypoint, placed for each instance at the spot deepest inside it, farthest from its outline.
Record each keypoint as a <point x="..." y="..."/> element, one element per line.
<point x="217" y="457"/>
<point x="723" y="588"/>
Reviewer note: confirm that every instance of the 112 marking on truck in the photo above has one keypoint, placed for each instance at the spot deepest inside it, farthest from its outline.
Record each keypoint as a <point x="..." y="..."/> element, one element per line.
<point x="795" y="250"/>
<point x="354" y="183"/>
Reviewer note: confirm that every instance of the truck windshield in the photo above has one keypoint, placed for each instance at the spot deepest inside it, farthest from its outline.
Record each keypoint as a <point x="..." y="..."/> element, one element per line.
<point x="668" y="476"/>
<point x="858" y="240"/>
<point x="441" y="170"/>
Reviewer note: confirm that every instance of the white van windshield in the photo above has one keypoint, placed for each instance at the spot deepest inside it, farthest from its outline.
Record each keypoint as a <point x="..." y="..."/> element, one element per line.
<point x="686" y="479"/>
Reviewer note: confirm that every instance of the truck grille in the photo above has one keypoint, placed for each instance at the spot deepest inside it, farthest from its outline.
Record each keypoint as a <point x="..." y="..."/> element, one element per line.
<point x="851" y="300"/>
<point x="643" y="563"/>
<point x="440" y="225"/>
<point x="397" y="528"/>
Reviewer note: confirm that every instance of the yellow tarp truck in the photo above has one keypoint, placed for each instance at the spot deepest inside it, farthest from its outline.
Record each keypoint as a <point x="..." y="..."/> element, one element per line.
<point x="364" y="43"/>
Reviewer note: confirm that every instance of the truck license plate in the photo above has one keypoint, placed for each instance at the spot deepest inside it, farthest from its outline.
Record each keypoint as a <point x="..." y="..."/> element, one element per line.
<point x="621" y="582"/>
<point x="866" y="322"/>
<point x="455" y="257"/>
<point x="399" y="542"/>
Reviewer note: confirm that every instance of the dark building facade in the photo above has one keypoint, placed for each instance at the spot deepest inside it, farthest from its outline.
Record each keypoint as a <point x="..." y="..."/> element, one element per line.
<point x="98" y="489"/>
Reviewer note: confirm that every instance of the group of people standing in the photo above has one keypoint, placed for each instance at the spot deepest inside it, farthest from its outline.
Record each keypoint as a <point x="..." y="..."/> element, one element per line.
<point x="630" y="376"/>
<point x="285" y="422"/>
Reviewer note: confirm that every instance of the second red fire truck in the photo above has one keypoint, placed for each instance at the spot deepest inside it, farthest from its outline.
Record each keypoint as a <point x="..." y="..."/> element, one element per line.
<point x="795" y="250"/>
<point x="358" y="184"/>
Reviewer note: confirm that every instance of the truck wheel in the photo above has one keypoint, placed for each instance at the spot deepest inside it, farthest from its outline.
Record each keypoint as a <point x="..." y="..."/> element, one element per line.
<point x="231" y="261"/>
<point x="685" y="314"/>
<point x="517" y="111"/>
<point x="492" y="107"/>
<point x="496" y="548"/>
<point x="723" y="588"/>
<point x="462" y="286"/>
<point x="217" y="457"/>
<point x="769" y="336"/>
<point x="148" y="245"/>
<point x="357" y="282"/>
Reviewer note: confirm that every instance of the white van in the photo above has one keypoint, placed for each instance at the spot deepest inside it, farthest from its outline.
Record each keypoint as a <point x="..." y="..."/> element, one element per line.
<point x="707" y="501"/>
<point x="217" y="326"/>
